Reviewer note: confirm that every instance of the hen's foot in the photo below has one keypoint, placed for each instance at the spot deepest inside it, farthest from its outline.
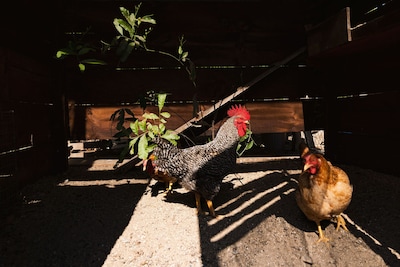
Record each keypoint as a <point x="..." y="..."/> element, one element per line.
<point x="341" y="222"/>
<point x="322" y="237"/>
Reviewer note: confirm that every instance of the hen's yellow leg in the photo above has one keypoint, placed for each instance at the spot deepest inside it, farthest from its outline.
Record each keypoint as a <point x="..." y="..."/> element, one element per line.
<point x="322" y="237"/>
<point x="341" y="222"/>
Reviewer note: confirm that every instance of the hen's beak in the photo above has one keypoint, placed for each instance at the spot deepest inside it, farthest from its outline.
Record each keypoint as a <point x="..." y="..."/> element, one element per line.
<point x="306" y="166"/>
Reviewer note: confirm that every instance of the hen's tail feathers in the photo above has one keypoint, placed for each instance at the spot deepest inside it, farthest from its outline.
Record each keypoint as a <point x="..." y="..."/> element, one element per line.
<point x="303" y="148"/>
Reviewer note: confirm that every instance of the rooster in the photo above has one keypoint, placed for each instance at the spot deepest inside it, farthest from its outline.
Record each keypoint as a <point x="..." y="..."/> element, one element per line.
<point x="324" y="191"/>
<point x="201" y="168"/>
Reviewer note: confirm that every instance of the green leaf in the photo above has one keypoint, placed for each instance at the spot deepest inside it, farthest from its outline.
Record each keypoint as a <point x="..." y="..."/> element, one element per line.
<point x="161" y="126"/>
<point x="141" y="38"/>
<point x="249" y="145"/>
<point x="132" y="145"/>
<point x="171" y="136"/>
<point x="82" y="67"/>
<point x="93" y="61"/>
<point x="135" y="127"/>
<point x="154" y="129"/>
<point x="165" y="114"/>
<point x="125" y="12"/>
<point x="149" y="126"/>
<point x="131" y="19"/>
<point x="142" y="125"/>
<point x="163" y="120"/>
<point x="118" y="27"/>
<point x="151" y="135"/>
<point x="61" y="54"/>
<point x="142" y="147"/>
<point x="126" y="26"/>
<point x="161" y="101"/>
<point x="148" y="19"/>
<point x="151" y="116"/>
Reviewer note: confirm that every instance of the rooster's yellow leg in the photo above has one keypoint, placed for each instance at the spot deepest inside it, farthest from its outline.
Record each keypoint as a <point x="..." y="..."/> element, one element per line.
<point x="211" y="208"/>
<point x="341" y="222"/>
<point x="198" y="204"/>
<point x="168" y="187"/>
<point x="322" y="237"/>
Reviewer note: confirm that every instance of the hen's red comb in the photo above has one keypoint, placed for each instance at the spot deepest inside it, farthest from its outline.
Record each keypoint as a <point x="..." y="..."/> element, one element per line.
<point x="238" y="110"/>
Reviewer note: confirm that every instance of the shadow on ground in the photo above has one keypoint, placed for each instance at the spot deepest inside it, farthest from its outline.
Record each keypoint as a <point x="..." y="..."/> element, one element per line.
<point x="70" y="220"/>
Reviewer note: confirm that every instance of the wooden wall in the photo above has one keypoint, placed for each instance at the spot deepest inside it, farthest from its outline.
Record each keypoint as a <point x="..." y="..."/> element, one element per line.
<point x="276" y="117"/>
<point x="359" y="84"/>
<point x="32" y="131"/>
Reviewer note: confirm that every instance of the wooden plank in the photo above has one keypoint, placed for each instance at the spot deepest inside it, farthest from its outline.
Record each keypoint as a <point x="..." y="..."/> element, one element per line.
<point x="202" y="115"/>
<point x="333" y="32"/>
<point x="266" y="117"/>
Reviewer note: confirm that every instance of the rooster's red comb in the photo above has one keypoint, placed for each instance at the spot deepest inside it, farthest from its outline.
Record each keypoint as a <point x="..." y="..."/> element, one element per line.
<point x="238" y="110"/>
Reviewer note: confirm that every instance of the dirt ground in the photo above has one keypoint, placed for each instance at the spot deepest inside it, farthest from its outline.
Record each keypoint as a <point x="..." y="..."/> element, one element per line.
<point x="94" y="216"/>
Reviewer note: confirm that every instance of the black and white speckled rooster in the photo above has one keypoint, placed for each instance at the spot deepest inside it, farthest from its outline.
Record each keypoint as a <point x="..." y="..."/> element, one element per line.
<point x="201" y="168"/>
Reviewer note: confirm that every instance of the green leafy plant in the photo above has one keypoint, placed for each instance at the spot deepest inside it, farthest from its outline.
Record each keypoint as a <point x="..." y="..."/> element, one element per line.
<point x="246" y="142"/>
<point x="149" y="127"/>
<point x="133" y="31"/>
<point x="80" y="50"/>
<point x="141" y="132"/>
<point x="133" y="37"/>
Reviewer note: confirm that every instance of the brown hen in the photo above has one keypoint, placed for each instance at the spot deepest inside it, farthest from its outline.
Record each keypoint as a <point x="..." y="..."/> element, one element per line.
<point x="324" y="191"/>
<point x="168" y="180"/>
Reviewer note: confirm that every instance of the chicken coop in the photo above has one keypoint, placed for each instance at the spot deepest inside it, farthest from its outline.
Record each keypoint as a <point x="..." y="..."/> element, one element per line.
<point x="299" y="66"/>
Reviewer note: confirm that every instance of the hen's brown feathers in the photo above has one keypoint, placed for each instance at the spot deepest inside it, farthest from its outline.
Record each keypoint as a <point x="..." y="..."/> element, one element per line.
<point x="324" y="191"/>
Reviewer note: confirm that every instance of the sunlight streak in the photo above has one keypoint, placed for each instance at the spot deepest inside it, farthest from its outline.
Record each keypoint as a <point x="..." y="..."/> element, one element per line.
<point x="359" y="228"/>
<point x="243" y="219"/>
<point x="107" y="183"/>
<point x="246" y="204"/>
<point x="252" y="160"/>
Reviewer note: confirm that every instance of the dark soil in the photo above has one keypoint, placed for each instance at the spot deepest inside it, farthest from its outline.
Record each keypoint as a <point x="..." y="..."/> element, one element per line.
<point x="91" y="216"/>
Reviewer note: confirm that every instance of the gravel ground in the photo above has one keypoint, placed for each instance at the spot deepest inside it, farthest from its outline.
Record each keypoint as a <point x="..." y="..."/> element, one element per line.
<point x="93" y="216"/>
